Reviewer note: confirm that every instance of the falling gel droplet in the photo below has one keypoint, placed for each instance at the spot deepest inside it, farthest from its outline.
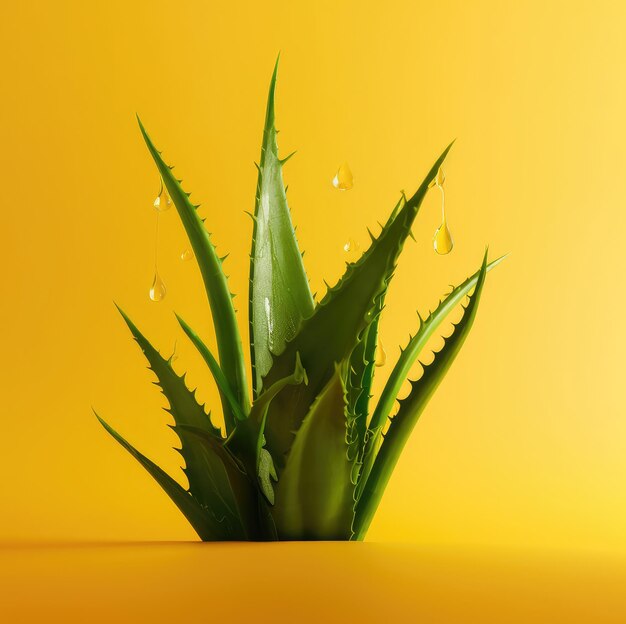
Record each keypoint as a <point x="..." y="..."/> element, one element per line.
<point x="343" y="180"/>
<point x="442" y="241"/>
<point x="162" y="201"/>
<point x="157" y="290"/>
<point x="381" y="354"/>
<point x="187" y="255"/>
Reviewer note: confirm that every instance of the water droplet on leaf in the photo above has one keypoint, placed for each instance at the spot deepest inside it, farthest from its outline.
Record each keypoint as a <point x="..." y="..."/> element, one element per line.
<point x="343" y="180"/>
<point x="187" y="255"/>
<point x="270" y="322"/>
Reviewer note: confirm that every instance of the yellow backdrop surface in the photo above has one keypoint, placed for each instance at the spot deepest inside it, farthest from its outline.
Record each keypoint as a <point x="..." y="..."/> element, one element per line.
<point x="523" y="444"/>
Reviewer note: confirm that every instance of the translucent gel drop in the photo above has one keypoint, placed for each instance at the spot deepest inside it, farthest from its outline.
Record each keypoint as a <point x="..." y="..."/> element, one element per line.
<point x="186" y="255"/>
<point x="442" y="241"/>
<point x="162" y="201"/>
<point x="157" y="290"/>
<point x="381" y="355"/>
<point x="343" y="180"/>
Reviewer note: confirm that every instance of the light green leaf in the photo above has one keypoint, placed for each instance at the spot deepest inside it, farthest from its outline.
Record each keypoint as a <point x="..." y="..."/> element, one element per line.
<point x="410" y="410"/>
<point x="226" y="392"/>
<point x="314" y="495"/>
<point x="216" y="286"/>
<point x="405" y="362"/>
<point x="279" y="290"/>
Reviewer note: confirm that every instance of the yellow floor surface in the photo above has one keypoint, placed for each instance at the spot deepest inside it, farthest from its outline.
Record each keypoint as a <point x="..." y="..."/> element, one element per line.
<point x="305" y="582"/>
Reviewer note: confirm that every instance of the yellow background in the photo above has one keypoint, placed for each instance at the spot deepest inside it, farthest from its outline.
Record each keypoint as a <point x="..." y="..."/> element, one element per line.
<point x="524" y="443"/>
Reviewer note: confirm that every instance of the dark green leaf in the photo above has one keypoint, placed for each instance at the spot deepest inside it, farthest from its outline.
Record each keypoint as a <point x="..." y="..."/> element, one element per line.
<point x="205" y="471"/>
<point x="205" y="525"/>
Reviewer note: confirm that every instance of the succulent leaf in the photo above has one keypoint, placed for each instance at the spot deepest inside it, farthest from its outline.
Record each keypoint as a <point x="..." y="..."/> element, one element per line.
<point x="403" y="366"/>
<point x="410" y="410"/>
<point x="226" y="393"/>
<point x="362" y="366"/>
<point x="248" y="440"/>
<point x="216" y="285"/>
<point x="332" y="332"/>
<point x="306" y="460"/>
<point x="205" y="525"/>
<point x="242" y="492"/>
<point x="314" y="494"/>
<point x="208" y="482"/>
<point x="279" y="290"/>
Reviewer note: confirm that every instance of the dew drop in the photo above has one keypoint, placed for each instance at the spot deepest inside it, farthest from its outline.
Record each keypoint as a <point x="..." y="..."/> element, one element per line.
<point x="187" y="255"/>
<point x="381" y="355"/>
<point x="270" y="322"/>
<point x="157" y="290"/>
<point x="343" y="180"/>
<point x="163" y="201"/>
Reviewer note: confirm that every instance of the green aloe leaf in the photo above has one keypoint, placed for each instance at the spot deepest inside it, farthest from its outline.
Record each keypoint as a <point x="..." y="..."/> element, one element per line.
<point x="226" y="392"/>
<point x="410" y="410"/>
<point x="208" y="482"/>
<point x="406" y="360"/>
<point x="205" y="525"/>
<point x="315" y="492"/>
<point x="332" y="332"/>
<point x="241" y="492"/>
<point x="362" y="366"/>
<point x="216" y="285"/>
<point x="248" y="440"/>
<point x="279" y="295"/>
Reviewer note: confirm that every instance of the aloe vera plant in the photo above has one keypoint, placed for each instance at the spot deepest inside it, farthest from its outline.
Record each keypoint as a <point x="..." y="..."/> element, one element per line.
<point x="305" y="454"/>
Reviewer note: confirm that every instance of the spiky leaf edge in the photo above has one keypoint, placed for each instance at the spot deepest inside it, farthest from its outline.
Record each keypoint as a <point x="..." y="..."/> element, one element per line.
<point x="215" y="283"/>
<point x="410" y="410"/>
<point x="281" y="269"/>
